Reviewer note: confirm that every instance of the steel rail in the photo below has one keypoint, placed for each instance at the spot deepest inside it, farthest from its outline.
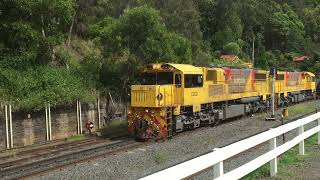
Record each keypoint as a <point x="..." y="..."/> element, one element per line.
<point x="32" y="168"/>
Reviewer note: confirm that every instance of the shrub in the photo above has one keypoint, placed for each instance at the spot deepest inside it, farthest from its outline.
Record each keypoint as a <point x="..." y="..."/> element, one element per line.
<point x="232" y="48"/>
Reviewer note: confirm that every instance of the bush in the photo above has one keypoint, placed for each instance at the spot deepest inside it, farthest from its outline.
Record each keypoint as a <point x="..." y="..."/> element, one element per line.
<point x="232" y="48"/>
<point x="33" y="88"/>
<point x="116" y="129"/>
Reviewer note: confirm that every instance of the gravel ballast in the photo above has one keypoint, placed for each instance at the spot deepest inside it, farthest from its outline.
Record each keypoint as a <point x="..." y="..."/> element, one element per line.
<point x="154" y="157"/>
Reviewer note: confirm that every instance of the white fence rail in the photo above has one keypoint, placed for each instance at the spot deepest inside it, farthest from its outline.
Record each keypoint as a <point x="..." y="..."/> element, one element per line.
<point x="215" y="159"/>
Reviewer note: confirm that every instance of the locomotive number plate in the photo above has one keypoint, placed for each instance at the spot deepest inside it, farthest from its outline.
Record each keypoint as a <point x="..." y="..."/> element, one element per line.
<point x="194" y="93"/>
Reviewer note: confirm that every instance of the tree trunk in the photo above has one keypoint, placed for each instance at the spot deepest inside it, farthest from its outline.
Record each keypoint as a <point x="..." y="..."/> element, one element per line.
<point x="71" y="28"/>
<point x="42" y="26"/>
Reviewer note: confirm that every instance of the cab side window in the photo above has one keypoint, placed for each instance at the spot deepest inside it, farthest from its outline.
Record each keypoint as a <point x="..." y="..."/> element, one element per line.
<point x="311" y="79"/>
<point x="280" y="77"/>
<point x="193" y="80"/>
<point x="177" y="80"/>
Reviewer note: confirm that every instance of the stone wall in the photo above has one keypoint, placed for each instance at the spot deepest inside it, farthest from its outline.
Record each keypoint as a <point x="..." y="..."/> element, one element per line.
<point x="32" y="130"/>
<point x="2" y="132"/>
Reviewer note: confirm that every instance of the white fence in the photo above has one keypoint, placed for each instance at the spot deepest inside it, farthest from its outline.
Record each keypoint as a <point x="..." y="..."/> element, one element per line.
<point x="215" y="159"/>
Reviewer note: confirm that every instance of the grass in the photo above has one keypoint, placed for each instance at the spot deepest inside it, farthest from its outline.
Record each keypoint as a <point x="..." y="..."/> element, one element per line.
<point x="116" y="129"/>
<point x="304" y="108"/>
<point x="289" y="158"/>
<point x="292" y="156"/>
<point x="76" y="138"/>
<point x="160" y="157"/>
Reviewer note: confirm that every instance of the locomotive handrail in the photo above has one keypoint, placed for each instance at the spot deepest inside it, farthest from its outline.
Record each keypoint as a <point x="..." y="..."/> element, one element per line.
<point x="216" y="158"/>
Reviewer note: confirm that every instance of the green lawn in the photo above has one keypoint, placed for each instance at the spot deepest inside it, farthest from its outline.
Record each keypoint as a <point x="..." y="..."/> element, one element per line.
<point x="289" y="158"/>
<point x="305" y="108"/>
<point x="292" y="156"/>
<point x="76" y="138"/>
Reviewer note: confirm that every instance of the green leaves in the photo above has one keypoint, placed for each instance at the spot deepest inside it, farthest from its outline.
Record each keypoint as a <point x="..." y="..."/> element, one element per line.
<point x="141" y="31"/>
<point x="20" y="43"/>
<point x="111" y="40"/>
<point x="232" y="48"/>
<point x="29" y="31"/>
<point x="34" y="88"/>
<point x="138" y="37"/>
<point x="311" y="17"/>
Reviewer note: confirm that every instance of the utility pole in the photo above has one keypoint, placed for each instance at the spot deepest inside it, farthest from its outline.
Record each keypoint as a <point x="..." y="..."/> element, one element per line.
<point x="273" y="91"/>
<point x="273" y="74"/>
<point x="253" y="39"/>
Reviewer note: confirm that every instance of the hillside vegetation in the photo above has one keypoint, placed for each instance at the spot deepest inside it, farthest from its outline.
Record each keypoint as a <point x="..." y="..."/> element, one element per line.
<point x="58" y="51"/>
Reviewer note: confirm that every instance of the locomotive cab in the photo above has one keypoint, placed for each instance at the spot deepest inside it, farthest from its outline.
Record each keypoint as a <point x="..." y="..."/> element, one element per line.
<point x="154" y="102"/>
<point x="310" y="85"/>
<point x="160" y="87"/>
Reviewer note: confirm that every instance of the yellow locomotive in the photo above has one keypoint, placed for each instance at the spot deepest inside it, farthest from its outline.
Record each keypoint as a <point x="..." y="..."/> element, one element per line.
<point x="177" y="97"/>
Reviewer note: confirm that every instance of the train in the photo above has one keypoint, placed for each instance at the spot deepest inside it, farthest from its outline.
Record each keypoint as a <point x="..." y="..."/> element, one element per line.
<point x="177" y="97"/>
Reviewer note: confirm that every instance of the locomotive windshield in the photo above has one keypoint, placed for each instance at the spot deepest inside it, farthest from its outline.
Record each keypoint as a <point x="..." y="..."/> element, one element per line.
<point x="158" y="78"/>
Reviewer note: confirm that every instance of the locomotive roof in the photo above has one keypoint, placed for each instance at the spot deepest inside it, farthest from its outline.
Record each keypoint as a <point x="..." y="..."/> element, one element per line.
<point x="190" y="69"/>
<point x="184" y="68"/>
<point x="310" y="74"/>
<point x="187" y="68"/>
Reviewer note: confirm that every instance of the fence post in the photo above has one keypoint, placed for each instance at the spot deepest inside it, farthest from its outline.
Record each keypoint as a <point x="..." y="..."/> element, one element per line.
<point x="217" y="168"/>
<point x="11" y="129"/>
<point x="80" y="118"/>
<point x="78" y="126"/>
<point x="99" y="117"/>
<point x="7" y="126"/>
<point x="301" y="144"/>
<point x="273" y="162"/>
<point x="319" y="132"/>
<point x="47" y="123"/>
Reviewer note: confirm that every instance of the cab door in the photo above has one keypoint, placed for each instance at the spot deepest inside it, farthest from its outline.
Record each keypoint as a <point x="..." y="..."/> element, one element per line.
<point x="178" y="89"/>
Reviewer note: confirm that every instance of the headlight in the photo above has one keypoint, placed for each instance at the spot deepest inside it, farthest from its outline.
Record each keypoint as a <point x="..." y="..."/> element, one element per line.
<point x="160" y="96"/>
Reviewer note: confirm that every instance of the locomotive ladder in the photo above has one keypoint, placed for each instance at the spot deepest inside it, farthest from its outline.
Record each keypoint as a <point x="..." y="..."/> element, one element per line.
<point x="169" y="121"/>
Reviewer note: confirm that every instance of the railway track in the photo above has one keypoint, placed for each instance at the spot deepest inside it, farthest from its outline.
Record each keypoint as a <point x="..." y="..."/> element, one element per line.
<point x="45" y="152"/>
<point x="42" y="160"/>
<point x="50" y="149"/>
<point x="23" y="168"/>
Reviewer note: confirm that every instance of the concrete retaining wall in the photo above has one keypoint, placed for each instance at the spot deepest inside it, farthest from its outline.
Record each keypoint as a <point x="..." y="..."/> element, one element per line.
<point x="28" y="131"/>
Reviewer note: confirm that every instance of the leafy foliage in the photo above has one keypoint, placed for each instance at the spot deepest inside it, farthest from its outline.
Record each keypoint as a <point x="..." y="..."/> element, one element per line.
<point x="232" y="48"/>
<point x="141" y="32"/>
<point x="29" y="33"/>
<point x="78" y="47"/>
<point x="34" y="88"/>
<point x="137" y="38"/>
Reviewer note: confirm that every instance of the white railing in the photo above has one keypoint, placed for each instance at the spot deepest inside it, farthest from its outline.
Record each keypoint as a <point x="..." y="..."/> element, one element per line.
<point x="215" y="159"/>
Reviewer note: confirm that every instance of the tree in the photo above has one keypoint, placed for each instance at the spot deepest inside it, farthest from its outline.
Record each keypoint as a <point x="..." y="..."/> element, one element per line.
<point x="208" y="19"/>
<point x="141" y="32"/>
<point x="232" y="48"/>
<point x="136" y="38"/>
<point x="311" y="18"/>
<point x="32" y="29"/>
<point x="285" y="30"/>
